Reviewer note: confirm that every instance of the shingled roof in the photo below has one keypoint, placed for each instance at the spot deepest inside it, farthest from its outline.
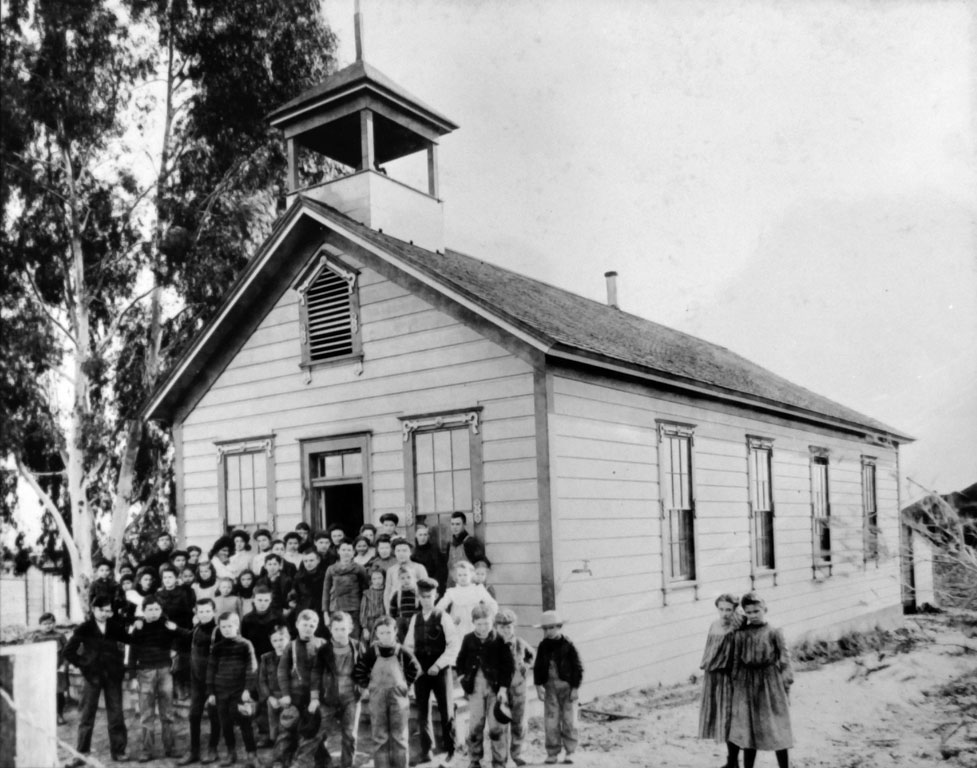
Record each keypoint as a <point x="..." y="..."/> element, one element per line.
<point x="563" y="323"/>
<point x="568" y="321"/>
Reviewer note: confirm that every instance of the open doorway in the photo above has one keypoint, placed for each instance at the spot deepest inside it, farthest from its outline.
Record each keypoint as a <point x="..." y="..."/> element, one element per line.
<point x="336" y="476"/>
<point x="340" y="505"/>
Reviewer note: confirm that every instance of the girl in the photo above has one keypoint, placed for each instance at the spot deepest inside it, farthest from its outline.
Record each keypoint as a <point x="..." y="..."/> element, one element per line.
<point x="245" y="590"/>
<point x="717" y="688"/>
<point x="240" y="561"/>
<point x="220" y="558"/>
<point x="145" y="585"/>
<point x="459" y="600"/>
<point x="225" y="601"/>
<point x="364" y="552"/>
<point x="371" y="607"/>
<point x="369" y="530"/>
<point x="762" y="678"/>
<point x="205" y="585"/>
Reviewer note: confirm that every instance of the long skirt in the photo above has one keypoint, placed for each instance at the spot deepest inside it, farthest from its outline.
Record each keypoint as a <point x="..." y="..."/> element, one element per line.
<point x="760" y="709"/>
<point x="714" y="706"/>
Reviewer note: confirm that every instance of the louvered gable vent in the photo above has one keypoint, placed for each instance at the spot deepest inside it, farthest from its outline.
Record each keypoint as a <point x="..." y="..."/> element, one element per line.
<point x="330" y="326"/>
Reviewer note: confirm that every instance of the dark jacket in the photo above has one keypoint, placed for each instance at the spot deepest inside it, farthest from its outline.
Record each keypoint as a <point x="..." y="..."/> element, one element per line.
<point x="296" y="666"/>
<point x="434" y="563"/>
<point x="343" y="587"/>
<point x="268" y="676"/>
<point x="280" y="588"/>
<point x="257" y="628"/>
<point x="96" y="654"/>
<point x="231" y="668"/>
<point x="177" y="605"/>
<point x="152" y="645"/>
<point x="308" y="586"/>
<point x="474" y="549"/>
<point x="568" y="664"/>
<point x="324" y="673"/>
<point x="104" y="588"/>
<point x="408" y="663"/>
<point x="491" y="655"/>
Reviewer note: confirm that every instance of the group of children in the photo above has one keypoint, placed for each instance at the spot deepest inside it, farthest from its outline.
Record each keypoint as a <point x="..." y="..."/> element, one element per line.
<point x="746" y="683"/>
<point x="288" y="640"/>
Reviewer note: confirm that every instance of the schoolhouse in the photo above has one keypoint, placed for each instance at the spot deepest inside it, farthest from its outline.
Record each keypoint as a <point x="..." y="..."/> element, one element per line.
<point x="619" y="471"/>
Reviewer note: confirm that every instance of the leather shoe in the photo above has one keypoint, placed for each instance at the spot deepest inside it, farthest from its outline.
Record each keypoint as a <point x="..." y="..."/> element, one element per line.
<point x="189" y="759"/>
<point x="121" y="757"/>
<point x="210" y="758"/>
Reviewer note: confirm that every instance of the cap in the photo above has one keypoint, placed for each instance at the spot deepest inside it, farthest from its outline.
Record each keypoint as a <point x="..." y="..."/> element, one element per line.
<point x="549" y="619"/>
<point x="501" y="712"/>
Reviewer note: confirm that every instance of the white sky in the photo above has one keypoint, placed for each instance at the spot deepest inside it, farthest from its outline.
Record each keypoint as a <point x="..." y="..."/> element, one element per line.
<point x="795" y="181"/>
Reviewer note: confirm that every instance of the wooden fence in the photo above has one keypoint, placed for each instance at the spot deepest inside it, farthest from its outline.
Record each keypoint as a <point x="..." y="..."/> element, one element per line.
<point x="24" y="598"/>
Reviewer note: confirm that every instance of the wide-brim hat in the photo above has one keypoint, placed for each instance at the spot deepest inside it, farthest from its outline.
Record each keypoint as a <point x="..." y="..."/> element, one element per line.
<point x="501" y="712"/>
<point x="309" y="723"/>
<point x="246" y="708"/>
<point x="549" y="619"/>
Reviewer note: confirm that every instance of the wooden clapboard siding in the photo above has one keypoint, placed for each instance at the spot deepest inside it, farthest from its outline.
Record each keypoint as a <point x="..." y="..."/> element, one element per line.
<point x="604" y="461"/>
<point x="416" y="359"/>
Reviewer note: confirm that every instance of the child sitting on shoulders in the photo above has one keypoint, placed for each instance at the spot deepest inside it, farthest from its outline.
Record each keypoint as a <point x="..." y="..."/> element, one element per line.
<point x="557" y="675"/>
<point x="762" y="676"/>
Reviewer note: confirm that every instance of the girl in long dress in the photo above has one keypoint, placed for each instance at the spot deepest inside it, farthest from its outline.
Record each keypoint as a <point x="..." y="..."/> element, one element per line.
<point x="762" y="677"/>
<point x="717" y="688"/>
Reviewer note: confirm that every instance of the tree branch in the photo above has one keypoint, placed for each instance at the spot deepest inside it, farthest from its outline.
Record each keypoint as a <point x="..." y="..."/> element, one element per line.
<point x="51" y="508"/>
<point x="114" y="327"/>
<point x="44" y="308"/>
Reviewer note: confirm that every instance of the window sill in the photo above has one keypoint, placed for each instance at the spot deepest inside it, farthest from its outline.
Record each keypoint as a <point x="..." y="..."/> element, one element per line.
<point x="822" y="571"/>
<point x="355" y="357"/>
<point x="680" y="586"/>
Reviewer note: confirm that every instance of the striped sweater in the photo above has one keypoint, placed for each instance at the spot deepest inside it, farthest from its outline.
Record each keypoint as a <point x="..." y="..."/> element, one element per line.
<point x="231" y="668"/>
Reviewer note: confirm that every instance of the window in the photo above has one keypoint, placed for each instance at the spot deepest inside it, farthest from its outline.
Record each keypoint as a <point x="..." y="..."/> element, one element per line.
<point x="443" y="459"/>
<point x="870" y="508"/>
<point x="246" y="496"/>
<point x="329" y="312"/>
<point x="820" y="508"/>
<point x="761" y="502"/>
<point x="678" y="501"/>
<point x="336" y="471"/>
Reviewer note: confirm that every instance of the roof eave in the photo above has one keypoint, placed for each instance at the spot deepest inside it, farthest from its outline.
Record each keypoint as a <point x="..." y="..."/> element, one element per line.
<point x="619" y="367"/>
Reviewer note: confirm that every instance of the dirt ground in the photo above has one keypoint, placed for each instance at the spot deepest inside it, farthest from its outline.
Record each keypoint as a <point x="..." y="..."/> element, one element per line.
<point x="893" y="709"/>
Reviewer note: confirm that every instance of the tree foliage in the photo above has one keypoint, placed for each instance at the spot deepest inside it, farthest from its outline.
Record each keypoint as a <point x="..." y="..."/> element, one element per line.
<point x="138" y="175"/>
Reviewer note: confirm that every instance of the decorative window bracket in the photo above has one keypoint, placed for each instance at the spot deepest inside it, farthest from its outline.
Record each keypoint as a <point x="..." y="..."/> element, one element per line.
<point x="759" y="443"/>
<point x="666" y="428"/>
<point x="251" y="445"/>
<point x="817" y="452"/>
<point x="470" y="418"/>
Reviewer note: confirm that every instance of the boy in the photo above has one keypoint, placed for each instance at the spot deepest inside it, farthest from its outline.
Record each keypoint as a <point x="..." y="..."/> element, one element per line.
<point x="371" y="606"/>
<point x="308" y="585"/>
<point x="262" y="542"/>
<point x="323" y="543"/>
<point x="269" y="694"/>
<point x="388" y="670"/>
<point x="257" y="627"/>
<point x="231" y="677"/>
<point x="432" y="637"/>
<point x="334" y="689"/>
<point x="427" y="554"/>
<point x="385" y="557"/>
<point x="153" y="640"/>
<point x="557" y="675"/>
<point x="463" y="546"/>
<point x="201" y="639"/>
<point x="304" y="531"/>
<point x="388" y="524"/>
<point x="287" y="569"/>
<point x="343" y="586"/>
<point x="164" y="544"/>
<point x="336" y="537"/>
<point x="295" y="672"/>
<point x="49" y="633"/>
<point x="402" y="552"/>
<point x="486" y="667"/>
<point x="481" y="577"/>
<point x="178" y="608"/>
<point x="94" y="649"/>
<point x="522" y="659"/>
<point x="403" y="604"/>
<point x="103" y="585"/>
<point x="277" y="582"/>
<point x="178" y="560"/>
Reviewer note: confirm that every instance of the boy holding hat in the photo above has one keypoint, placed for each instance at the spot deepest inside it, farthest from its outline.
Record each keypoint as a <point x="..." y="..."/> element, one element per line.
<point x="522" y="658"/>
<point x="557" y="675"/>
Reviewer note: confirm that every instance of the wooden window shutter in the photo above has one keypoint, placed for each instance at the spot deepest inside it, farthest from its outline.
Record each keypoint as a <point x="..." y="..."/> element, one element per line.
<point x="330" y="325"/>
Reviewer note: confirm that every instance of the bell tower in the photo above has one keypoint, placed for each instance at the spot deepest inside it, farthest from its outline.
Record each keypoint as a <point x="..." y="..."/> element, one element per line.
<point x="359" y="117"/>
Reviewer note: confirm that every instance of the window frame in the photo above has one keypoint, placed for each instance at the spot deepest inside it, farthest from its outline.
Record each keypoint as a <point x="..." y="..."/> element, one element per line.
<point x="755" y="445"/>
<point x="869" y="511"/>
<point x="820" y="564"/>
<point x="471" y="420"/>
<point x="668" y="430"/>
<point x="329" y="259"/>
<point x="314" y="446"/>
<point x="249" y="445"/>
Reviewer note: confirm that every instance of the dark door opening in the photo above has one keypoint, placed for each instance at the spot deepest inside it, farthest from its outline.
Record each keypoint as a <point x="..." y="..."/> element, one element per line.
<point x="340" y="505"/>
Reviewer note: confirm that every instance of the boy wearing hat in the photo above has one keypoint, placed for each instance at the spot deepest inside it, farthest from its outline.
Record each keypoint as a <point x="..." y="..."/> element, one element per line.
<point x="433" y="638"/>
<point x="522" y="659"/>
<point x="486" y="668"/>
<point x="557" y="675"/>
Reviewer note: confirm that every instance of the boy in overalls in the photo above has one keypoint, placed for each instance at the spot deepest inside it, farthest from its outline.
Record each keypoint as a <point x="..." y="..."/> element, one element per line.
<point x="388" y="671"/>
